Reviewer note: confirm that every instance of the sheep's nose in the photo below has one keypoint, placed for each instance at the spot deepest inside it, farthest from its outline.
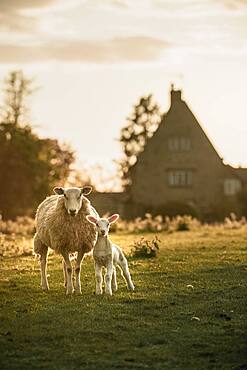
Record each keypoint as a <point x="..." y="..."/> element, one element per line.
<point x="72" y="212"/>
<point x="103" y="232"/>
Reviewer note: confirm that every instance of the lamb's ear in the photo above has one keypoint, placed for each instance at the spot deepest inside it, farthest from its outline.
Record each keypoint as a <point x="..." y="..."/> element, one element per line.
<point x="86" y="190"/>
<point x="113" y="218"/>
<point x="58" y="190"/>
<point x="91" y="219"/>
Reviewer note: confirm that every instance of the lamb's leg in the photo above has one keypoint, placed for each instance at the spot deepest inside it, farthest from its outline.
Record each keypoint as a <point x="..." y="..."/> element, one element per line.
<point x="114" y="279"/>
<point x="77" y="272"/>
<point x="68" y="266"/>
<point x="125" y="270"/>
<point x="108" y="278"/>
<point x="42" y="250"/>
<point x="98" y="278"/>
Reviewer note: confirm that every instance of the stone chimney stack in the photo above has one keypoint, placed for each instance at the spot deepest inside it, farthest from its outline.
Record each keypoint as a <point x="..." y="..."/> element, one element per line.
<point x="176" y="95"/>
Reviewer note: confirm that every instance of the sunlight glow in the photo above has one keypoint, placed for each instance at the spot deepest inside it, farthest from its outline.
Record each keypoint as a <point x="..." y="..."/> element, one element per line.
<point x="94" y="59"/>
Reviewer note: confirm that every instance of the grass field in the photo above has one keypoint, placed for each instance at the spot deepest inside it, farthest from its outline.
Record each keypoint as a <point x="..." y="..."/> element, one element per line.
<point x="189" y="310"/>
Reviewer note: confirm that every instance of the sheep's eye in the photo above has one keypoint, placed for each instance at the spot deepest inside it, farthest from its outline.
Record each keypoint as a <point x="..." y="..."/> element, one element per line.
<point x="65" y="196"/>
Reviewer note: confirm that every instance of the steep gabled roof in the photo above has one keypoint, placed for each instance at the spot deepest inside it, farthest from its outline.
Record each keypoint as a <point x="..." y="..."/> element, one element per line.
<point x="177" y="103"/>
<point x="181" y="109"/>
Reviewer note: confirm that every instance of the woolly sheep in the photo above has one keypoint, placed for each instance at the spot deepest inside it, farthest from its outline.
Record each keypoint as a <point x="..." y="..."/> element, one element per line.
<point x="108" y="255"/>
<point x="62" y="226"/>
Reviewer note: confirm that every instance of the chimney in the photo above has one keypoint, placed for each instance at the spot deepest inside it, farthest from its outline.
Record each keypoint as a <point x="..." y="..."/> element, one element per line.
<point x="176" y="95"/>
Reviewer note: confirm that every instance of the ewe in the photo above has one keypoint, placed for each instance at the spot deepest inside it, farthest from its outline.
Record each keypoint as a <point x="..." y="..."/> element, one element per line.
<point x="62" y="226"/>
<point x="108" y="255"/>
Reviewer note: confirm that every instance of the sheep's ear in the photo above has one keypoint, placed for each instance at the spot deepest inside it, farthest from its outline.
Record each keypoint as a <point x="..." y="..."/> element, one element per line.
<point x="91" y="219"/>
<point x="86" y="190"/>
<point x="113" y="218"/>
<point x="58" y="190"/>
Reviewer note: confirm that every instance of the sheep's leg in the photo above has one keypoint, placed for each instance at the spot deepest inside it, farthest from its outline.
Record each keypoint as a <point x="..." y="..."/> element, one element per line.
<point x="64" y="274"/>
<point x="42" y="250"/>
<point x="108" y="278"/>
<point x="43" y="267"/>
<point x="125" y="270"/>
<point x="98" y="278"/>
<point x="77" y="272"/>
<point x="114" y="279"/>
<point x="68" y="266"/>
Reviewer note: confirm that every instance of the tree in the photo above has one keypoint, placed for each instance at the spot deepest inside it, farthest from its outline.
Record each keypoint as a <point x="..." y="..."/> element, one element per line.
<point x="140" y="127"/>
<point x="29" y="166"/>
<point x="16" y="90"/>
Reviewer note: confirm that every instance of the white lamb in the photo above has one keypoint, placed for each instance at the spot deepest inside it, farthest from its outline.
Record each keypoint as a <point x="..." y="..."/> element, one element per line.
<point x="62" y="226"/>
<point x="108" y="255"/>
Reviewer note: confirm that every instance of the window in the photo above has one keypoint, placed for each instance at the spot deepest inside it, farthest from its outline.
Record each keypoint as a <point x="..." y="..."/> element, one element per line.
<point x="232" y="186"/>
<point x="180" y="178"/>
<point x="179" y="144"/>
<point x="184" y="144"/>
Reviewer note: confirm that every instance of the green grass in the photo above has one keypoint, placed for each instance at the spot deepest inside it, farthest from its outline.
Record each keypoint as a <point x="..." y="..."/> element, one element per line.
<point x="153" y="328"/>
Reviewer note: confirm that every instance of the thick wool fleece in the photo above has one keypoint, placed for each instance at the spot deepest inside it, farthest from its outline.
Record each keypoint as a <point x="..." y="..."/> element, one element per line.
<point x="62" y="232"/>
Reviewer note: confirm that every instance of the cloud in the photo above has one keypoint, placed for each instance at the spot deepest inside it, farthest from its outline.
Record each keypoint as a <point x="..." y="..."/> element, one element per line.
<point x="234" y="4"/>
<point x="13" y="22"/>
<point x="138" y="48"/>
<point x="12" y="17"/>
<point x="10" y="5"/>
<point x="199" y="8"/>
<point x="114" y="31"/>
<point x="120" y="4"/>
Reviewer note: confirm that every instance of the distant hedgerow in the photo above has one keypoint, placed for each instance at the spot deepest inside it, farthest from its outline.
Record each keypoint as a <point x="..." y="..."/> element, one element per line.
<point x="157" y="224"/>
<point x="232" y="222"/>
<point x="144" y="248"/>
<point x="22" y="226"/>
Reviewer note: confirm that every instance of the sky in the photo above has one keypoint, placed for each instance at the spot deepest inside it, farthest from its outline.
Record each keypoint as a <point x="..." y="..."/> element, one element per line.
<point x="93" y="59"/>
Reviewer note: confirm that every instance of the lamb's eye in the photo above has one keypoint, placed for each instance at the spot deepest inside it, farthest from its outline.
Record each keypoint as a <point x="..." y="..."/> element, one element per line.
<point x="65" y="196"/>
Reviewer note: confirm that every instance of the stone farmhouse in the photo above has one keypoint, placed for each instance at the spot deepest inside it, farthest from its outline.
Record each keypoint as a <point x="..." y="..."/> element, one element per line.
<point x="179" y="172"/>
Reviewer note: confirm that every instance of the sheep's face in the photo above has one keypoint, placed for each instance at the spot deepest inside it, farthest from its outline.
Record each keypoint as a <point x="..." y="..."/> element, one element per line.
<point x="73" y="198"/>
<point x="103" y="224"/>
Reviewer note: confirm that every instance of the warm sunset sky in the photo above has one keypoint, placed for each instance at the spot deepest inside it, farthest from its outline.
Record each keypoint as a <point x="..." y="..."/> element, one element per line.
<point x="94" y="58"/>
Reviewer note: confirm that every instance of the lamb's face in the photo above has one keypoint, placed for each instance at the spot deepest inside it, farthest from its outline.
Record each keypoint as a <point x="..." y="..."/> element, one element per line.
<point x="73" y="198"/>
<point x="103" y="224"/>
